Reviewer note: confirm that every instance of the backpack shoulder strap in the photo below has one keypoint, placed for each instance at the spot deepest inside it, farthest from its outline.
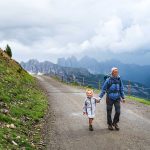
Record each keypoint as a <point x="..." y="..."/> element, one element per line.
<point x="109" y="84"/>
<point x="120" y="83"/>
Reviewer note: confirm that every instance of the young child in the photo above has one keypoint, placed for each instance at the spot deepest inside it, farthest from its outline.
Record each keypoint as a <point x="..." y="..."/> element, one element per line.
<point x="90" y="106"/>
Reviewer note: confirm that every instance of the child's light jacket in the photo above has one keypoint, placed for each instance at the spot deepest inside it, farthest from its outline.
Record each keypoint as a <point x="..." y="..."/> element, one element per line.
<point x="90" y="106"/>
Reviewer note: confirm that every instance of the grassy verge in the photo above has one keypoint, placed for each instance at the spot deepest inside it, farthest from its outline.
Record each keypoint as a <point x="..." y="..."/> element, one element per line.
<point x="22" y="106"/>
<point x="141" y="100"/>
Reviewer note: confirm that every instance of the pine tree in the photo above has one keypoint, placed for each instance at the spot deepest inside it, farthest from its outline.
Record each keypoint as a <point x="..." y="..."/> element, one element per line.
<point x="8" y="51"/>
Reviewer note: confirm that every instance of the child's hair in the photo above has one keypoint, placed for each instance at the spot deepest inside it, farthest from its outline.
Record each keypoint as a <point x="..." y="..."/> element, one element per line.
<point x="91" y="90"/>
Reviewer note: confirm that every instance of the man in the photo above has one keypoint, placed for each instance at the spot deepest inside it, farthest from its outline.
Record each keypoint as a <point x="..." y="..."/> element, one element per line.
<point x="113" y="86"/>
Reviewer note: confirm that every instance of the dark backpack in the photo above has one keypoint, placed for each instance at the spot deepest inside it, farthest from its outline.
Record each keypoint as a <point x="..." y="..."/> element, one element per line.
<point x="106" y="77"/>
<point x="109" y="76"/>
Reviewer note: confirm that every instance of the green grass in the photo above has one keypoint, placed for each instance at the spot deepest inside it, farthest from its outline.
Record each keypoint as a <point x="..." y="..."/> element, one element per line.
<point x="141" y="100"/>
<point x="27" y="105"/>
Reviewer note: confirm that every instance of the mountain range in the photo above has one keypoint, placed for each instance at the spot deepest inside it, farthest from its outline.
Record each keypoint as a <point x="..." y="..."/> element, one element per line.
<point x="130" y="72"/>
<point x="47" y="67"/>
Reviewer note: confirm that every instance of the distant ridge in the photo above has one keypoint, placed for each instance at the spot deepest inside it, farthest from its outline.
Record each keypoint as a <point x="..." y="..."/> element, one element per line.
<point x="131" y="72"/>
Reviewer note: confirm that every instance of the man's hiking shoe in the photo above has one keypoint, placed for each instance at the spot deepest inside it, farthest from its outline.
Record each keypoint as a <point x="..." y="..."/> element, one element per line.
<point x="91" y="128"/>
<point x="116" y="126"/>
<point x="110" y="127"/>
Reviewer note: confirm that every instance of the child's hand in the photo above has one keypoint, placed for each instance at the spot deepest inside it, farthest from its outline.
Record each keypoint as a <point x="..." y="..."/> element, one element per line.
<point x="98" y="100"/>
<point x="84" y="113"/>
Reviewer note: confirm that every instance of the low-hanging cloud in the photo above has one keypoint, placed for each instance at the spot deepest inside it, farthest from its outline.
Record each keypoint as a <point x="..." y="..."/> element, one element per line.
<point x="49" y="29"/>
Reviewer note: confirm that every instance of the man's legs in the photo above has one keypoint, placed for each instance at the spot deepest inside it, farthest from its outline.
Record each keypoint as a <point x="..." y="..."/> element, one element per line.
<point x="117" y="114"/>
<point x="109" y="111"/>
<point x="117" y="109"/>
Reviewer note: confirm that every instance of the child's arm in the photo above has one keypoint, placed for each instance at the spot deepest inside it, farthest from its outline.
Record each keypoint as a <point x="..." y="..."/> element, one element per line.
<point x="97" y="100"/>
<point x="85" y="108"/>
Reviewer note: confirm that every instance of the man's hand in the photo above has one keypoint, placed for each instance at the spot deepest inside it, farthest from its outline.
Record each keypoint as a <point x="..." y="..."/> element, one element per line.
<point x="98" y="99"/>
<point x="123" y="100"/>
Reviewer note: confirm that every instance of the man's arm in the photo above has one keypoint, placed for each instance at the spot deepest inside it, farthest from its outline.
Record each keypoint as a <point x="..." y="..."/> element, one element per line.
<point x="104" y="88"/>
<point x="122" y="90"/>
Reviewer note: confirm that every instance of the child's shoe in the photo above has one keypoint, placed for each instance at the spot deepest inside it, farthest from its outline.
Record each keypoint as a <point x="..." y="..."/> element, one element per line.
<point x="91" y="128"/>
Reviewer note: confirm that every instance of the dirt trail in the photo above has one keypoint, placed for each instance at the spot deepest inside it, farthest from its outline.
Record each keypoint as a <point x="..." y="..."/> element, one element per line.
<point x="67" y="129"/>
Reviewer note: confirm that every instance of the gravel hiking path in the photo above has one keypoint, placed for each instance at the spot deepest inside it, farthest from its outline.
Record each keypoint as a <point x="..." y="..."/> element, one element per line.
<point x="67" y="129"/>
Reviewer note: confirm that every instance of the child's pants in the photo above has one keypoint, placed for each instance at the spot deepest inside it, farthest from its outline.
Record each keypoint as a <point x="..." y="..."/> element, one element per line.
<point x="110" y="104"/>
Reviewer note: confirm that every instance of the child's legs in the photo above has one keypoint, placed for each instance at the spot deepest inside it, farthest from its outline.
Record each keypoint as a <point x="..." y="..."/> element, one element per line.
<point x="91" y="121"/>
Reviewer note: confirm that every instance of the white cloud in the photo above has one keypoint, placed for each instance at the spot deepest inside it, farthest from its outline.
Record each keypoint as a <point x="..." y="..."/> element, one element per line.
<point x="54" y="28"/>
<point x="114" y="36"/>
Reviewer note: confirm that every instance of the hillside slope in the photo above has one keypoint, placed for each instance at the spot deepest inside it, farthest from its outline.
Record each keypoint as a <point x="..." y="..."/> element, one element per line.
<point x="22" y="105"/>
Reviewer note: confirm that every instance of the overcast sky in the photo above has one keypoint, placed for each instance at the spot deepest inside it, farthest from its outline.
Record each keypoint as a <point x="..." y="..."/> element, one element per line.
<point x="104" y="29"/>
